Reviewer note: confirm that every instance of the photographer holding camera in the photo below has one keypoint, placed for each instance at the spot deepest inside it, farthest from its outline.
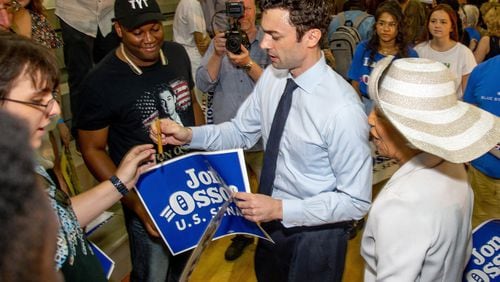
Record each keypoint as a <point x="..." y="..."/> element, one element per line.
<point x="229" y="69"/>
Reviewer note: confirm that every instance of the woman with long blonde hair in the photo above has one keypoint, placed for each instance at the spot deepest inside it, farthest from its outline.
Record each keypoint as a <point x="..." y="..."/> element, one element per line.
<point x="489" y="45"/>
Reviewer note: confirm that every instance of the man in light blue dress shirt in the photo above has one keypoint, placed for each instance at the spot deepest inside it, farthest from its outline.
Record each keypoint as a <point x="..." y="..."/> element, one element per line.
<point x="230" y="78"/>
<point x="324" y="168"/>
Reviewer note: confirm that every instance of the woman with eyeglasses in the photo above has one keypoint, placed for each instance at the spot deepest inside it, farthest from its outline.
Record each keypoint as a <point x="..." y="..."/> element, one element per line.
<point x="28" y="79"/>
<point x="388" y="38"/>
<point x="29" y="20"/>
<point x="442" y="44"/>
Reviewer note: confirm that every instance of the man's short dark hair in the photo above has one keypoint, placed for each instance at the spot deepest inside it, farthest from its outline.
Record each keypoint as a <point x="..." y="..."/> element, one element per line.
<point x="304" y="14"/>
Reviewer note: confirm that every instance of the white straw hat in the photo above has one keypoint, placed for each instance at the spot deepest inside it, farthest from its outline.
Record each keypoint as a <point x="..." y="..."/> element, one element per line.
<point x="419" y="98"/>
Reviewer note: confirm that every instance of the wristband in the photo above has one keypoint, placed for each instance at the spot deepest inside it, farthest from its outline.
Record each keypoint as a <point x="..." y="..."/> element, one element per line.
<point x="248" y="66"/>
<point x="118" y="185"/>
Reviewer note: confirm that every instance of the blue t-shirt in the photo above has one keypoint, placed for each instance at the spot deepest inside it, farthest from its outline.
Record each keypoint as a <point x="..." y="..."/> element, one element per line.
<point x="483" y="90"/>
<point x="361" y="67"/>
<point x="473" y="33"/>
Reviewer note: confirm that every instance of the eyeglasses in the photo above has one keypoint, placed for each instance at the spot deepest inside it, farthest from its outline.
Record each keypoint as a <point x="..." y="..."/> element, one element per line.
<point x="45" y="108"/>
<point x="11" y="7"/>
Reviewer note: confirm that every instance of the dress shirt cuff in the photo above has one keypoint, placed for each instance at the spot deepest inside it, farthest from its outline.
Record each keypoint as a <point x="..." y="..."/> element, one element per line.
<point x="292" y="213"/>
<point x="197" y="139"/>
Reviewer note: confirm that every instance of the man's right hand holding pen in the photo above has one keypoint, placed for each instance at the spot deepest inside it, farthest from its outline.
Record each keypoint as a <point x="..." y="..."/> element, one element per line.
<point x="171" y="133"/>
<point x="255" y="207"/>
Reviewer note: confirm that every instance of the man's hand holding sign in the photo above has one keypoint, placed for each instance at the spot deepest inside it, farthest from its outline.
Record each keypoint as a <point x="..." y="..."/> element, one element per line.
<point x="258" y="207"/>
<point x="254" y="207"/>
<point x="183" y="196"/>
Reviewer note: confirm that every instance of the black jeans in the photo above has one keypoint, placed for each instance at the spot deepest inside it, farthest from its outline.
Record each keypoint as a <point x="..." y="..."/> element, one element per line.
<point x="302" y="253"/>
<point x="81" y="52"/>
<point x="150" y="257"/>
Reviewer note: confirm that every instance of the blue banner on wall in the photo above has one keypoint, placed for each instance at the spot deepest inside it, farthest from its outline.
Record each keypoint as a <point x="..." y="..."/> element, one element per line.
<point x="484" y="263"/>
<point x="183" y="194"/>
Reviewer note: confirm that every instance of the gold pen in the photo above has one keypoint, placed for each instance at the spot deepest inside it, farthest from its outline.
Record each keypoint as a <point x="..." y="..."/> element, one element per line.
<point x="160" y="145"/>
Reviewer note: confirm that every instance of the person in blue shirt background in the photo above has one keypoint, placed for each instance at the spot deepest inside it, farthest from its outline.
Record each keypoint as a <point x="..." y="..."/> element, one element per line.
<point x="483" y="90"/>
<point x="387" y="39"/>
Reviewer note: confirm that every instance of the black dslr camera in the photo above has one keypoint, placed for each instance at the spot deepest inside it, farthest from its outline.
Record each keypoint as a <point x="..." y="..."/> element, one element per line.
<point x="234" y="36"/>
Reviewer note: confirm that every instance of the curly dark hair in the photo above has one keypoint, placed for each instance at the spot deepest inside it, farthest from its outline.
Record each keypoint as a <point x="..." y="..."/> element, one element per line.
<point x="20" y="55"/>
<point x="24" y="209"/>
<point x="392" y="8"/>
<point x="304" y="14"/>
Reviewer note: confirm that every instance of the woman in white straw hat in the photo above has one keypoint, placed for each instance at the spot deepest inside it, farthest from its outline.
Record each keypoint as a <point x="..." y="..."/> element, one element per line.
<point x="418" y="228"/>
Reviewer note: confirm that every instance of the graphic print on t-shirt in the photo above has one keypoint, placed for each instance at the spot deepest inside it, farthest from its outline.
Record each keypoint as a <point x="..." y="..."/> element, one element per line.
<point x="160" y="101"/>
<point x="164" y="101"/>
<point x="168" y="104"/>
<point x="366" y="63"/>
<point x="148" y="107"/>
<point x="182" y="93"/>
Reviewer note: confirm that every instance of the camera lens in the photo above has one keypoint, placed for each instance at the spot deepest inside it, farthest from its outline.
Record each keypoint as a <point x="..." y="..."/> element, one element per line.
<point x="233" y="42"/>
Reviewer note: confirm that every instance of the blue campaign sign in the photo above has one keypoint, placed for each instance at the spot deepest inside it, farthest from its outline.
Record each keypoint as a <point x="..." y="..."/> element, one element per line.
<point x="106" y="262"/>
<point x="484" y="263"/>
<point x="183" y="194"/>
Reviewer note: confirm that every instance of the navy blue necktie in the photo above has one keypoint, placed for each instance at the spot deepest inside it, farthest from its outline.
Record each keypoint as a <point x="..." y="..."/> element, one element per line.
<point x="273" y="142"/>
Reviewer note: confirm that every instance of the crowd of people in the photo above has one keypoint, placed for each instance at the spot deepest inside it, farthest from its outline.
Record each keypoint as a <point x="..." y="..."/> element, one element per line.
<point x="414" y="90"/>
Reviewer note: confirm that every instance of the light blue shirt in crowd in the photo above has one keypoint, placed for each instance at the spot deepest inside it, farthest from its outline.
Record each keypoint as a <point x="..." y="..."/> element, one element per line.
<point x="324" y="167"/>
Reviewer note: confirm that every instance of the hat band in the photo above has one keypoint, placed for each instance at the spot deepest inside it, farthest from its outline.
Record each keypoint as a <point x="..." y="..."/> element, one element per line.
<point x="458" y="155"/>
<point x="451" y="128"/>
<point x="474" y="131"/>
<point x="420" y="74"/>
<point x="417" y="103"/>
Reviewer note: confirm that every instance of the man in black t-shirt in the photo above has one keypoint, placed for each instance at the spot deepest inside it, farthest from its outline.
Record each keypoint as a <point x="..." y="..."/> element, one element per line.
<point x="144" y="79"/>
